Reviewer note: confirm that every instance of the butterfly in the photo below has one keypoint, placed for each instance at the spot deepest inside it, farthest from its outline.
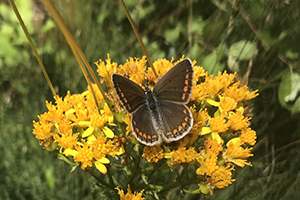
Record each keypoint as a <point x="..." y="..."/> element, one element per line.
<point x="160" y="115"/>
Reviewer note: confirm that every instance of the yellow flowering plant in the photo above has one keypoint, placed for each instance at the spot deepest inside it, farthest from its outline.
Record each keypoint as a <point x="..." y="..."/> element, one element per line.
<point x="92" y="130"/>
<point x="97" y="136"/>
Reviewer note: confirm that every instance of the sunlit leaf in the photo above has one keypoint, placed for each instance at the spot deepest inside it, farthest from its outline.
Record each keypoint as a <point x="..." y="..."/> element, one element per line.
<point x="242" y="50"/>
<point x="211" y="63"/>
<point x="289" y="90"/>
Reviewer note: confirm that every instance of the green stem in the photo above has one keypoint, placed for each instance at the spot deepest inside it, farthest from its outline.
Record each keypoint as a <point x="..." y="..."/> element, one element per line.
<point x="66" y="159"/>
<point x="101" y="182"/>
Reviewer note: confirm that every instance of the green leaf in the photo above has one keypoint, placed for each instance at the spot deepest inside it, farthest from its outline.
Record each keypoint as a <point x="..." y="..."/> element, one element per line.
<point x="242" y="50"/>
<point x="172" y="35"/>
<point x="212" y="64"/>
<point x="292" y="54"/>
<point x="49" y="25"/>
<point x="289" y="90"/>
<point x="195" y="50"/>
<point x="233" y="64"/>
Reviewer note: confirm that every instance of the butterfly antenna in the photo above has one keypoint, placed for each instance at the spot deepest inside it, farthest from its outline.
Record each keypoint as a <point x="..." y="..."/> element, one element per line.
<point x="138" y="37"/>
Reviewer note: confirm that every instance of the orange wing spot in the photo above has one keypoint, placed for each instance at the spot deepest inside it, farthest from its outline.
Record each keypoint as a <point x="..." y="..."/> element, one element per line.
<point x="122" y="95"/>
<point x="183" y="124"/>
<point x="134" y="123"/>
<point x="185" y="89"/>
<point x="154" y="136"/>
<point x="128" y="106"/>
<point x="179" y="128"/>
<point x="144" y="135"/>
<point x="186" y="82"/>
<point x="149" y="137"/>
<point x="119" y="89"/>
<point x="141" y="134"/>
<point x="186" y="119"/>
<point x="183" y="96"/>
<point x="168" y="133"/>
<point x="137" y="130"/>
<point x="125" y="100"/>
<point x="184" y="111"/>
<point x="187" y="71"/>
<point x="174" y="131"/>
<point x="187" y="76"/>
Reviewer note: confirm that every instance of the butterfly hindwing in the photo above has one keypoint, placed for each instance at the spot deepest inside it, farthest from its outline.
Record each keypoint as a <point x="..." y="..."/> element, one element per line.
<point x="142" y="127"/>
<point x="130" y="94"/>
<point x="178" y="120"/>
<point x="177" y="84"/>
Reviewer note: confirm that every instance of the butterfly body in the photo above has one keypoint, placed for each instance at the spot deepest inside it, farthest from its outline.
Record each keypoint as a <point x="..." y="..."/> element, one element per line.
<point x="160" y="115"/>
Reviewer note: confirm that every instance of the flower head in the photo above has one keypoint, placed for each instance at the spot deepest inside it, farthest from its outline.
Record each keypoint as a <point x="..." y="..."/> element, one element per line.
<point x="153" y="153"/>
<point x="130" y="195"/>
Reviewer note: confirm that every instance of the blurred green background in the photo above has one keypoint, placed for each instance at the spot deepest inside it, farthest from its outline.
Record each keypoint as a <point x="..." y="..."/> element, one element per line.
<point x="258" y="39"/>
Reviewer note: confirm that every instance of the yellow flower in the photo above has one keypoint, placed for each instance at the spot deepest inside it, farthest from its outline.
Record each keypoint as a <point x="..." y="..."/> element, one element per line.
<point x="134" y="69"/>
<point x="106" y="70"/>
<point x="161" y="66"/>
<point x="238" y="121"/>
<point x="42" y="131"/>
<point x="212" y="150"/>
<point x="199" y="93"/>
<point x="218" y="124"/>
<point x="98" y="120"/>
<point x="248" y="136"/>
<point x="54" y="114"/>
<point x="129" y="195"/>
<point x="227" y="104"/>
<point x="200" y="118"/>
<point x="239" y="93"/>
<point x="213" y="85"/>
<point x="221" y="177"/>
<point x="66" y="139"/>
<point x="183" y="155"/>
<point x="85" y="155"/>
<point x="199" y="72"/>
<point x="153" y="153"/>
<point x="236" y="154"/>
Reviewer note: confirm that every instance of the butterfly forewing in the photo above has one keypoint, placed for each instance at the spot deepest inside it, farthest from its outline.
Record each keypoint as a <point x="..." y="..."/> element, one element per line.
<point x="130" y="94"/>
<point x="176" y="85"/>
<point x="178" y="120"/>
<point x="142" y="127"/>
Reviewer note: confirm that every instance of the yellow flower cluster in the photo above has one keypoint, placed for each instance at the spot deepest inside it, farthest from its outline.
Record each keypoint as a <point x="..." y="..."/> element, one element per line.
<point x="78" y="129"/>
<point x="217" y="104"/>
<point x="219" y="140"/>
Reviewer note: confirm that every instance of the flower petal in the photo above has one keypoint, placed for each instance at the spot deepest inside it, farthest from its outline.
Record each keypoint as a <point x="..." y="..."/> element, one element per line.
<point x="70" y="152"/>
<point x="108" y="133"/>
<point x="104" y="160"/>
<point x="100" y="167"/>
<point x="88" y="132"/>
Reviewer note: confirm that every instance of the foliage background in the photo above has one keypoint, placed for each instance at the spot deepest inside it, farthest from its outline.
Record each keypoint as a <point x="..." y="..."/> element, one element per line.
<point x="258" y="39"/>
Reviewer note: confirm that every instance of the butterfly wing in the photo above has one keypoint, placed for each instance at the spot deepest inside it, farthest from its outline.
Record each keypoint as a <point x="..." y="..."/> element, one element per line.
<point x="177" y="120"/>
<point x="177" y="84"/>
<point x="142" y="127"/>
<point x="130" y="94"/>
